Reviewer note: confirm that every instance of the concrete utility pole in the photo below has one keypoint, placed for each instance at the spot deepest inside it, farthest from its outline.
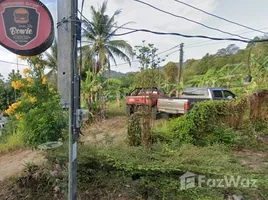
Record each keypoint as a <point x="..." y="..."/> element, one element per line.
<point x="180" y="68"/>
<point x="68" y="81"/>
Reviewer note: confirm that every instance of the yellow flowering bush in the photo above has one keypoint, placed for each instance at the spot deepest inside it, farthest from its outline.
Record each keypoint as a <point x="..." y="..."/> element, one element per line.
<point x="9" y="111"/>
<point x="12" y="108"/>
<point x="17" y="84"/>
<point x="44" y="80"/>
<point x="19" y="116"/>
<point x="38" y="112"/>
<point x="22" y="57"/>
<point x="33" y="99"/>
<point x="30" y="80"/>
<point x="26" y="71"/>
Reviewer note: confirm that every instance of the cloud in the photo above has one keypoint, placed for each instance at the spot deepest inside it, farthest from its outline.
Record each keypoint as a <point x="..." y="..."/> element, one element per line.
<point x="6" y="68"/>
<point x="146" y="17"/>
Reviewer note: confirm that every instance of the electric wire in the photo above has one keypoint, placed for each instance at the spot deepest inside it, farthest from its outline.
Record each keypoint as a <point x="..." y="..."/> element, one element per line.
<point x="190" y="20"/>
<point x="164" y="33"/>
<point x="186" y="36"/>
<point x="13" y="63"/>
<point x="222" y="18"/>
<point x="133" y="30"/>
<point x="176" y="46"/>
<point x="202" y="42"/>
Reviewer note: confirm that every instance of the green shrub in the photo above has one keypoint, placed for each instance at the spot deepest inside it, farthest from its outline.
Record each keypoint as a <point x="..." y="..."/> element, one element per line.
<point x="207" y="123"/>
<point x="134" y="131"/>
<point x="43" y="124"/>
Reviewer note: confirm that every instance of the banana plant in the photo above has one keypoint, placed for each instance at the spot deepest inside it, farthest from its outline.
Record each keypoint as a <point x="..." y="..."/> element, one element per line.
<point x="114" y="87"/>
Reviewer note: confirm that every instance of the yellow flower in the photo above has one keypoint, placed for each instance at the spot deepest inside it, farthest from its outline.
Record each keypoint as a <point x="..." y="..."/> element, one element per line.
<point x="9" y="111"/>
<point x="44" y="80"/>
<point x="16" y="105"/>
<point x="38" y="66"/>
<point x="33" y="99"/>
<point x="22" y="57"/>
<point x="18" y="116"/>
<point x="16" y="84"/>
<point x="26" y="71"/>
<point x="30" y="80"/>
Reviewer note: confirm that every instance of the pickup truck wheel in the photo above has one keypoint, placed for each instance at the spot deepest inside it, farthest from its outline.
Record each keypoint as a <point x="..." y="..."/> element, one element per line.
<point x="129" y="110"/>
<point x="154" y="112"/>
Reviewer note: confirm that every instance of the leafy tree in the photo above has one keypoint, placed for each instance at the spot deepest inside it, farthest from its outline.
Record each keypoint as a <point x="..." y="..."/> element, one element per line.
<point x="229" y="50"/>
<point x="171" y="72"/>
<point x="149" y="77"/>
<point x="128" y="82"/>
<point x="147" y="56"/>
<point x="114" y="87"/>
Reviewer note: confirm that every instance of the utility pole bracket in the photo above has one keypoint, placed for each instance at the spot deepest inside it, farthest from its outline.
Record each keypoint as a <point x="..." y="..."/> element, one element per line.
<point x="82" y="115"/>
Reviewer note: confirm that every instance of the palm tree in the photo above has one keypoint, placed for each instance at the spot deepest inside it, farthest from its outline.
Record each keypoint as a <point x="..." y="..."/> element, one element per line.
<point x="52" y="62"/>
<point x="99" y="34"/>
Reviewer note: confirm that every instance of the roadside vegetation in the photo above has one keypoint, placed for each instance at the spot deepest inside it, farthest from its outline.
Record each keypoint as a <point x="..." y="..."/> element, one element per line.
<point x="137" y="157"/>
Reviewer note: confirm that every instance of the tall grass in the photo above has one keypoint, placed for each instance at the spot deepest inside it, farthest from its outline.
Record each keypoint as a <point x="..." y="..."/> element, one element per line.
<point x="113" y="109"/>
<point x="11" y="142"/>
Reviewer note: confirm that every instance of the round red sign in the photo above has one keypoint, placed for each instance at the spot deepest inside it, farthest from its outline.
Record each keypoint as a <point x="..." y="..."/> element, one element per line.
<point x="26" y="27"/>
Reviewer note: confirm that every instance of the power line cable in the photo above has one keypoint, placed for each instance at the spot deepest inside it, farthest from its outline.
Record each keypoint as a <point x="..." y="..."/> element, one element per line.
<point x="133" y="30"/>
<point x="202" y="42"/>
<point x="186" y="36"/>
<point x="13" y="63"/>
<point x="176" y="46"/>
<point x="190" y="20"/>
<point x="174" y="34"/>
<point x="138" y="61"/>
<point x="224" y="19"/>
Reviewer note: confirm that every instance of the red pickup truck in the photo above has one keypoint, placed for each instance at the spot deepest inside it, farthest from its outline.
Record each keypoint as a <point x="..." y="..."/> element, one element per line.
<point x="144" y="96"/>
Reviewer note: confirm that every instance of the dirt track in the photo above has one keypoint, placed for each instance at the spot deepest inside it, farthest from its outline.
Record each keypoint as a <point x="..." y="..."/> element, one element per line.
<point x="13" y="163"/>
<point x="108" y="131"/>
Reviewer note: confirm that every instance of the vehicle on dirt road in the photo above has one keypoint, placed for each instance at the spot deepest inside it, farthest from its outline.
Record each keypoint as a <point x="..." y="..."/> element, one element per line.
<point x="141" y="97"/>
<point x="189" y="96"/>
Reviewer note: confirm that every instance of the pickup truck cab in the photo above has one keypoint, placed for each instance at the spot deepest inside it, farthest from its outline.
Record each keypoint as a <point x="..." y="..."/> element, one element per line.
<point x="189" y="96"/>
<point x="143" y="96"/>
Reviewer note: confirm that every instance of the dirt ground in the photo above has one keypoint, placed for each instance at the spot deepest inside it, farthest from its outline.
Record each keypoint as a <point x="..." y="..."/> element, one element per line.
<point x="108" y="131"/>
<point x="254" y="160"/>
<point x="13" y="163"/>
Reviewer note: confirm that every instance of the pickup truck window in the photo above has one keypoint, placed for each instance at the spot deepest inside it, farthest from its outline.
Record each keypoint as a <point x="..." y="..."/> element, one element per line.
<point x="228" y="94"/>
<point x="196" y="92"/>
<point x="217" y="94"/>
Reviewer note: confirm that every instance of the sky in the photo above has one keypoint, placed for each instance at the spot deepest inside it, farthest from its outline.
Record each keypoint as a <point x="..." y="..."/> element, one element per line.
<point x="247" y="12"/>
